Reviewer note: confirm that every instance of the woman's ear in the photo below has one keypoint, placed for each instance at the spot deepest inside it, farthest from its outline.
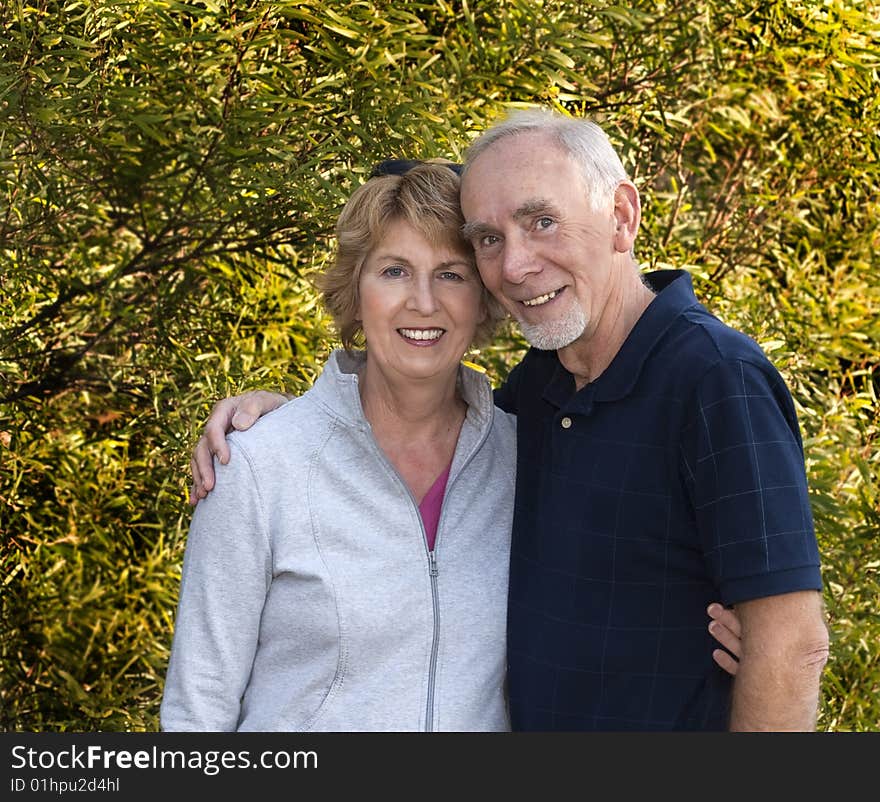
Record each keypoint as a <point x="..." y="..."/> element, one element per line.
<point x="627" y="216"/>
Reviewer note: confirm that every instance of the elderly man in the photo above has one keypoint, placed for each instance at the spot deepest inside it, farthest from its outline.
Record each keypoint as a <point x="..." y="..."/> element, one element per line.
<point x="659" y="466"/>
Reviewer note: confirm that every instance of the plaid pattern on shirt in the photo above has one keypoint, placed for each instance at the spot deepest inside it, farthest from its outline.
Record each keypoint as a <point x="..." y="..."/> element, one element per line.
<point x="675" y="479"/>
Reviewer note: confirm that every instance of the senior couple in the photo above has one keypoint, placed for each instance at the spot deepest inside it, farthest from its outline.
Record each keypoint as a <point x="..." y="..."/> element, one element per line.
<point x="400" y="549"/>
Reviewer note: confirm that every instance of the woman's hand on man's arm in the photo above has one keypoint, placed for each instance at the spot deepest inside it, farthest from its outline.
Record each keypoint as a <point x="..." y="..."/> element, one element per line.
<point x="726" y="629"/>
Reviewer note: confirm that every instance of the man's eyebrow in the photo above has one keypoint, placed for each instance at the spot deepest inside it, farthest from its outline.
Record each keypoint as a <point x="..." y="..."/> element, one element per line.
<point x="533" y="207"/>
<point x="530" y="208"/>
<point x="472" y="231"/>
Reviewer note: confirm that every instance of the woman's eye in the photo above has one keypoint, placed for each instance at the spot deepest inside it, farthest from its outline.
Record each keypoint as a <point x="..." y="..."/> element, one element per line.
<point x="393" y="272"/>
<point x="451" y="275"/>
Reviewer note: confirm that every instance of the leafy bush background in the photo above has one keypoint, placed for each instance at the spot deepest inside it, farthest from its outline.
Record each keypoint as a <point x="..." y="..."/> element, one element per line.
<point x="170" y="177"/>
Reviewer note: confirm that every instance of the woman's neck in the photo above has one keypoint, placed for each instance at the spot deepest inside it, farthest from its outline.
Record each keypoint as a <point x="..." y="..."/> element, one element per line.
<point x="415" y="423"/>
<point x="419" y="407"/>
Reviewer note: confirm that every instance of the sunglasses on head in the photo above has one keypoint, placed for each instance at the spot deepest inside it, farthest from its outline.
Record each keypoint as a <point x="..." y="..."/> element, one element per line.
<point x="403" y="166"/>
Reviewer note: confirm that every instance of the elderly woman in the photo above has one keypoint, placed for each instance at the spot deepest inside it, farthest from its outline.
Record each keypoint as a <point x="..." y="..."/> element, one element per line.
<point x="349" y="569"/>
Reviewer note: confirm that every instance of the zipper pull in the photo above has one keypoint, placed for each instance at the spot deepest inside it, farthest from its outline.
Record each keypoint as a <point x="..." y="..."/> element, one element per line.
<point x="432" y="564"/>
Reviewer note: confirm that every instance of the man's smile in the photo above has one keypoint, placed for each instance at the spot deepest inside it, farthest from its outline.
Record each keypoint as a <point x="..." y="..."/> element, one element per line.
<point x="540" y="300"/>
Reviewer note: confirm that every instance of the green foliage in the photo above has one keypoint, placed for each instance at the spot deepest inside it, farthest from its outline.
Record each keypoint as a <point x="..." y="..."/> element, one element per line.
<point x="171" y="175"/>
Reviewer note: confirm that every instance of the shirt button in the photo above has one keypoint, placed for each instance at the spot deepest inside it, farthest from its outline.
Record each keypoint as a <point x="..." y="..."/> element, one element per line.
<point x="566" y="422"/>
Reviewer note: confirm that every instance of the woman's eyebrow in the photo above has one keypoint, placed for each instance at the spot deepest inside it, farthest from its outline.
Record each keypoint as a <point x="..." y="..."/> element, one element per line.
<point x="391" y="257"/>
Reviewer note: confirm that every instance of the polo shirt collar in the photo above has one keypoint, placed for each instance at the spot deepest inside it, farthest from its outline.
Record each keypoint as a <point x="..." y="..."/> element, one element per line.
<point x="674" y="294"/>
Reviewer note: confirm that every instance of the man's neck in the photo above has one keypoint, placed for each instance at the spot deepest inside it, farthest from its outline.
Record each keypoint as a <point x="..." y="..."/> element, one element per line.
<point x="589" y="356"/>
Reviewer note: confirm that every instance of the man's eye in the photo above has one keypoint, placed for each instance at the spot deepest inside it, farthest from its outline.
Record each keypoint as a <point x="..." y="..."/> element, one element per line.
<point x="544" y="222"/>
<point x="489" y="240"/>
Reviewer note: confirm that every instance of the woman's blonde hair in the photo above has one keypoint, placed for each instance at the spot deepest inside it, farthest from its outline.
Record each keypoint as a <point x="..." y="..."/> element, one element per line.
<point x="426" y="198"/>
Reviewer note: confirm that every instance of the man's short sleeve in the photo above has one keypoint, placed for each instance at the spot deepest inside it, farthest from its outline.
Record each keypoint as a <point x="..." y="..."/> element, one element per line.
<point x="743" y="463"/>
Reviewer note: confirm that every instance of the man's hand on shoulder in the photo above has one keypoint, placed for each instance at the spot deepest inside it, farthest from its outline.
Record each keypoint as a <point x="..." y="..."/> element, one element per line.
<point x="236" y="412"/>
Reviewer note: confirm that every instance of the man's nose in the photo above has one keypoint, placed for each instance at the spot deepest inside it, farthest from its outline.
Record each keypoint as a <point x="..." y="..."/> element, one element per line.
<point x="422" y="298"/>
<point x="517" y="261"/>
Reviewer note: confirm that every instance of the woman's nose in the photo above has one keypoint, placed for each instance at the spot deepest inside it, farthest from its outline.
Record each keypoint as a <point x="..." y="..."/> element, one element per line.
<point x="422" y="299"/>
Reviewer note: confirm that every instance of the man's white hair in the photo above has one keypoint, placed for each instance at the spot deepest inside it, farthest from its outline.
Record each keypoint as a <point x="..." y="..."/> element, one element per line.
<point x="582" y="140"/>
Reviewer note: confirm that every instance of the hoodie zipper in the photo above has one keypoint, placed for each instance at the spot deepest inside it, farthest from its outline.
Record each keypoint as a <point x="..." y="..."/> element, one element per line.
<point x="433" y="570"/>
<point x="435" y="644"/>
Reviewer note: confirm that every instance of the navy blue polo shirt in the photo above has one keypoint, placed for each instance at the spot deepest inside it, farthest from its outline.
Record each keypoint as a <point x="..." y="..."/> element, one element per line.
<point x="675" y="479"/>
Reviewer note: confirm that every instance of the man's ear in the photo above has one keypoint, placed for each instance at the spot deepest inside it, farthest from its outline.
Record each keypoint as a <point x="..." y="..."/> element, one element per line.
<point x="627" y="216"/>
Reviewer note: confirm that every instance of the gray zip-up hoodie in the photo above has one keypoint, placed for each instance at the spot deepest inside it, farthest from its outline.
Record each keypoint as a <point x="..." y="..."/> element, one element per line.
<point x="309" y="599"/>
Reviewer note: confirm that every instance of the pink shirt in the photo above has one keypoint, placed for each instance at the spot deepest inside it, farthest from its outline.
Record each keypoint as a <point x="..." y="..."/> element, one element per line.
<point x="431" y="505"/>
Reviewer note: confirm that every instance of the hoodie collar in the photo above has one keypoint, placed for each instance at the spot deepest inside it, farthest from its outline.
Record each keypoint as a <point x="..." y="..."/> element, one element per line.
<point x="337" y="389"/>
